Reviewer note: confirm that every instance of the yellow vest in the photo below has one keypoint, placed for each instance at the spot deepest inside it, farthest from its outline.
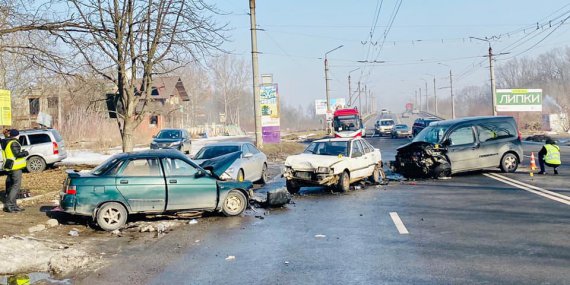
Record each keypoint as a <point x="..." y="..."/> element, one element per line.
<point x="552" y="154"/>
<point x="19" y="163"/>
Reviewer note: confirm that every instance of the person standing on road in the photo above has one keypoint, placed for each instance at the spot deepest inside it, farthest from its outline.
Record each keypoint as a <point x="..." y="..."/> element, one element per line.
<point x="14" y="162"/>
<point x="549" y="155"/>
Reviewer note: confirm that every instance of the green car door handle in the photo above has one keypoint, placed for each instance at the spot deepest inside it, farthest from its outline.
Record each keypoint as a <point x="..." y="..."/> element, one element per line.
<point x="124" y="181"/>
<point x="173" y="181"/>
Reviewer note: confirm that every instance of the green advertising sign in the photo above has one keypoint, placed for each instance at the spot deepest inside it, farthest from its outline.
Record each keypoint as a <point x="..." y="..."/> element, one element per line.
<point x="518" y="100"/>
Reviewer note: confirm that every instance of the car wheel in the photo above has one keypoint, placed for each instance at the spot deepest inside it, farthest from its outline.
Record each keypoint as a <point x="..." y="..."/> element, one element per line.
<point x="509" y="163"/>
<point x="264" y="177"/>
<point x="111" y="216"/>
<point x="344" y="182"/>
<point x="375" y="177"/>
<point x="234" y="204"/>
<point x="35" y="164"/>
<point x="240" y="176"/>
<point x="292" y="186"/>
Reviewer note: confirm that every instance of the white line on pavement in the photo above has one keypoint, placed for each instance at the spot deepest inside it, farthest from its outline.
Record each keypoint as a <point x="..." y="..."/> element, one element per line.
<point x="398" y="222"/>
<point x="530" y="188"/>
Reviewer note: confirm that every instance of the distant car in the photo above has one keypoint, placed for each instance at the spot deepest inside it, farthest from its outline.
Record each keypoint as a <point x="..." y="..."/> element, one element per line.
<point x="335" y="163"/>
<point x="384" y="126"/>
<point x="405" y="115"/>
<point x="422" y="123"/>
<point x="172" y="139"/>
<point x="151" y="182"/>
<point x="415" y="111"/>
<point x="384" y="111"/>
<point x="250" y="165"/>
<point x="537" y="138"/>
<point x="401" y="131"/>
<point x="45" y="147"/>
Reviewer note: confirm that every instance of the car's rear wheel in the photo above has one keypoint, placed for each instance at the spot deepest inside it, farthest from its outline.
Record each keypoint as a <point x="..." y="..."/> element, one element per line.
<point x="509" y="162"/>
<point x="292" y="186"/>
<point x="234" y="204"/>
<point x="35" y="164"/>
<point x="264" y="177"/>
<point x="240" y="176"/>
<point x="111" y="216"/>
<point x="344" y="182"/>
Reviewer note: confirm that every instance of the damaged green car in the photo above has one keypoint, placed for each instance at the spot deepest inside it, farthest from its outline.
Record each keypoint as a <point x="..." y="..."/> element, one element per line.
<point x="154" y="181"/>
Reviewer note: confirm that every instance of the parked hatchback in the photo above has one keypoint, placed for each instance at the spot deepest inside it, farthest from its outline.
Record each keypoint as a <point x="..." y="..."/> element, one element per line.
<point x="172" y="139"/>
<point x="461" y="145"/>
<point x="46" y="147"/>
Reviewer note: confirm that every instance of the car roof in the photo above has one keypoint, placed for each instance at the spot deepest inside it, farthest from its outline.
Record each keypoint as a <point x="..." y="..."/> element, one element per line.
<point x="386" y="119"/>
<point x="336" y="140"/>
<point x="161" y="153"/>
<point x="227" y="144"/>
<point x="171" y="129"/>
<point x="470" y="119"/>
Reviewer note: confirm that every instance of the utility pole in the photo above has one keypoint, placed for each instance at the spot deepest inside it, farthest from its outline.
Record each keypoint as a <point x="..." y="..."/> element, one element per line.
<point x="366" y="95"/>
<point x="435" y="96"/>
<point x="255" y="69"/>
<point x="492" y="71"/>
<point x="451" y="89"/>
<point x="420" y="89"/>
<point x="349" y="88"/>
<point x="416" y="103"/>
<point x="360" y="100"/>
<point x="427" y="103"/>
<point x="327" y="77"/>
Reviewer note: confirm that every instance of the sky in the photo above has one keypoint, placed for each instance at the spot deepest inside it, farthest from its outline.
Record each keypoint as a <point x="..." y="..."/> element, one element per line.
<point x="427" y="39"/>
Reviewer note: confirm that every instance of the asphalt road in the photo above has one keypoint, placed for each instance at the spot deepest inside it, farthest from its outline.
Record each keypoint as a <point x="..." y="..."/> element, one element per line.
<point x="471" y="229"/>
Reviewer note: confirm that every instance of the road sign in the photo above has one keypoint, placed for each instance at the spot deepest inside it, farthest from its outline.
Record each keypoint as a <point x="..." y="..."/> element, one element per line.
<point x="321" y="105"/>
<point x="519" y="100"/>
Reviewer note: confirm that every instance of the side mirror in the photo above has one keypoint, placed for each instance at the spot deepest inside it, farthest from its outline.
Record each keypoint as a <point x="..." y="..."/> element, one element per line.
<point x="446" y="142"/>
<point x="200" y="174"/>
<point x="248" y="155"/>
<point x="357" y="154"/>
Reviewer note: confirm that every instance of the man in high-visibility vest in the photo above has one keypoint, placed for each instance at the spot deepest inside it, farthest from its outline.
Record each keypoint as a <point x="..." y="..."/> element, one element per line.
<point x="549" y="155"/>
<point x="14" y="160"/>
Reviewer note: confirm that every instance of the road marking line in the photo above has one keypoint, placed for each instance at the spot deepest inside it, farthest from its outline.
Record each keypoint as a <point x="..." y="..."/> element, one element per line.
<point x="542" y="192"/>
<point x="564" y="197"/>
<point x="399" y="224"/>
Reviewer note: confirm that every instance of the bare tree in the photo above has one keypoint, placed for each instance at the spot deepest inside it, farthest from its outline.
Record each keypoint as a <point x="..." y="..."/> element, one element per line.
<point x="230" y="79"/>
<point x="128" y="42"/>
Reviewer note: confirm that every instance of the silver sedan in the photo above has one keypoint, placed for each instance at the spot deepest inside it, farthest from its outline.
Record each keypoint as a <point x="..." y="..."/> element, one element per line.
<point x="252" y="164"/>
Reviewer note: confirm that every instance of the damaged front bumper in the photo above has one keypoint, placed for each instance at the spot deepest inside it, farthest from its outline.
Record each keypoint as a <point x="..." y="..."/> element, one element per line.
<point x="311" y="177"/>
<point x="421" y="160"/>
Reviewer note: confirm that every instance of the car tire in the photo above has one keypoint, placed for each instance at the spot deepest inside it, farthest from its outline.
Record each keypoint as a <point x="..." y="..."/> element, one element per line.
<point x="509" y="162"/>
<point x="264" y="178"/>
<point x="234" y="204"/>
<point x="292" y="186"/>
<point x="343" y="182"/>
<point x="35" y="164"/>
<point x="375" y="178"/>
<point x="241" y="176"/>
<point x="111" y="216"/>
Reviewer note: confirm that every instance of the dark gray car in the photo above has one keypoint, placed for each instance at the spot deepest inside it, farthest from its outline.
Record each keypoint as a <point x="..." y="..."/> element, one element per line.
<point x="466" y="144"/>
<point x="172" y="139"/>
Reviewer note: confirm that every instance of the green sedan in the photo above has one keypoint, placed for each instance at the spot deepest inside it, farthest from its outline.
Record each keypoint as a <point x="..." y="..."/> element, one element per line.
<point x="153" y="181"/>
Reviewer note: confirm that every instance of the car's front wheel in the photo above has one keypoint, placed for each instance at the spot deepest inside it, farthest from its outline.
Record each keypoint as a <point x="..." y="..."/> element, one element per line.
<point x="344" y="182"/>
<point x="375" y="178"/>
<point x="509" y="163"/>
<point x="240" y="176"/>
<point x="35" y="164"/>
<point x="234" y="204"/>
<point x="111" y="216"/>
<point x="264" y="174"/>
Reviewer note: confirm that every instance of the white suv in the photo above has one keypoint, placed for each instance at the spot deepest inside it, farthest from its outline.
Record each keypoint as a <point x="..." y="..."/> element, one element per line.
<point x="46" y="147"/>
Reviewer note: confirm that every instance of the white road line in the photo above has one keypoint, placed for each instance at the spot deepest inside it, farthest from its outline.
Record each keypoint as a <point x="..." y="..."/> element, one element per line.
<point x="398" y="222"/>
<point x="542" y="192"/>
<point x="564" y="197"/>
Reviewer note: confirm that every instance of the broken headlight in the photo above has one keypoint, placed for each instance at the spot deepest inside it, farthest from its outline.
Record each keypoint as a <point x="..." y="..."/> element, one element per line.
<point x="323" y="170"/>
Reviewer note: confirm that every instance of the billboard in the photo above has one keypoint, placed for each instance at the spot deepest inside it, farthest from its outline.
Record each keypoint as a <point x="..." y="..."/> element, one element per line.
<point x="5" y="108"/>
<point x="321" y="105"/>
<point x="518" y="100"/>
<point x="270" y="124"/>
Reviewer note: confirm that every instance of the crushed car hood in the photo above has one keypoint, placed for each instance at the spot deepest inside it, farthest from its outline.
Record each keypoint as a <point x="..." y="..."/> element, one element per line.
<point x="312" y="161"/>
<point x="219" y="165"/>
<point x="421" y="160"/>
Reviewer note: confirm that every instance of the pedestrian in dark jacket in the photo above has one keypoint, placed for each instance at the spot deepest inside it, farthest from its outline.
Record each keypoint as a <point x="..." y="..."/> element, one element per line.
<point x="549" y="155"/>
<point x="14" y="162"/>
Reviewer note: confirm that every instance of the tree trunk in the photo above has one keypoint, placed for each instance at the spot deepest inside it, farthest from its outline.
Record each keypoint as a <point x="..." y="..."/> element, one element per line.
<point x="128" y="133"/>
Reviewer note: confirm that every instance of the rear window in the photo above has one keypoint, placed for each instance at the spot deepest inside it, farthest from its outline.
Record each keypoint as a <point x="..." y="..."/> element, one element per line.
<point x="56" y="135"/>
<point x="490" y="131"/>
<point x="39" y="138"/>
<point x="215" y="151"/>
<point x="387" y="123"/>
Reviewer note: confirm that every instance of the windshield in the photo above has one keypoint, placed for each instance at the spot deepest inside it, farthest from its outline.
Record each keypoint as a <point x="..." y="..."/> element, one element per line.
<point x="431" y="134"/>
<point x="401" y="127"/>
<point x="105" y="166"/>
<point x="215" y="151"/>
<point x="328" y="148"/>
<point x="168" y="134"/>
<point x="347" y="123"/>
<point x="387" y="123"/>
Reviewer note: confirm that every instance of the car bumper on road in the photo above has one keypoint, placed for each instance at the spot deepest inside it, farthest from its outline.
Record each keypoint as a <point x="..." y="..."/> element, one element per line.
<point x="311" y="178"/>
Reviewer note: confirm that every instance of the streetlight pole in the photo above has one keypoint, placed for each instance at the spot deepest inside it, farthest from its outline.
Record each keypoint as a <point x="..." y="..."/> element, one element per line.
<point x="349" y="88"/>
<point x="434" y="93"/>
<point x="420" y="89"/>
<point x="255" y="69"/>
<point x="327" y="77"/>
<point x="451" y="90"/>
<point x="427" y="104"/>
<point x="492" y="73"/>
